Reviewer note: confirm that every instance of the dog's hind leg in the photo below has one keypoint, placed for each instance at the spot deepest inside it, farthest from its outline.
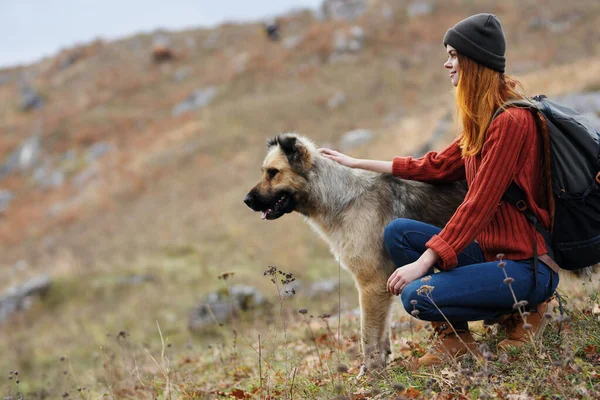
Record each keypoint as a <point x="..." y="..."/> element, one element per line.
<point x="375" y="304"/>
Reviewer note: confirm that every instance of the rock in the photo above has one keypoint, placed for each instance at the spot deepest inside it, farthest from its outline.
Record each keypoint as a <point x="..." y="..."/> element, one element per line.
<point x="355" y="138"/>
<point x="419" y="8"/>
<point x="583" y="103"/>
<point x="20" y="298"/>
<point x="349" y="41"/>
<point x="68" y="58"/>
<point x="336" y="100"/>
<point x="324" y="287"/>
<point x="46" y="178"/>
<point x="97" y="150"/>
<point x="344" y="9"/>
<point x="199" y="99"/>
<point x="5" y="198"/>
<point x="30" y="98"/>
<point x="291" y="42"/>
<point x="24" y="157"/>
<point x="272" y="29"/>
<point x="218" y="307"/>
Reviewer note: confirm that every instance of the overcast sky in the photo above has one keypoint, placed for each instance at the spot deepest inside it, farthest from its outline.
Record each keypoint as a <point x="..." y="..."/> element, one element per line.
<point x="31" y="29"/>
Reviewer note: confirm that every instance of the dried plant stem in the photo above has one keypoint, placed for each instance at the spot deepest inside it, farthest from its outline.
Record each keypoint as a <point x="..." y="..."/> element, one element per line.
<point x="454" y="330"/>
<point x="259" y="365"/>
<point x="292" y="386"/>
<point x="531" y="336"/>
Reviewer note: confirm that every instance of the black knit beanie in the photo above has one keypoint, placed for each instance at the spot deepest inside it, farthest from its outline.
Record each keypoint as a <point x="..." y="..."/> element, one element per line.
<point x="479" y="37"/>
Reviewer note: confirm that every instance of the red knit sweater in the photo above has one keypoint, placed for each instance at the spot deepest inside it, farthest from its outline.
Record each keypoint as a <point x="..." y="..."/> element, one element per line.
<point x="512" y="152"/>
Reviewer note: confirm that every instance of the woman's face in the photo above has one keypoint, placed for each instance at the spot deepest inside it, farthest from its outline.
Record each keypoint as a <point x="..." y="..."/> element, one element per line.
<point x="452" y="65"/>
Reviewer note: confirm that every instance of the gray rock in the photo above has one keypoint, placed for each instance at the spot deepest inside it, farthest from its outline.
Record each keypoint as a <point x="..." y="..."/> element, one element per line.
<point x="336" y="100"/>
<point x="344" y="9"/>
<point x="355" y="138"/>
<point x="24" y="157"/>
<point x="30" y="98"/>
<point x="324" y="287"/>
<point x="419" y="8"/>
<point x="5" y="198"/>
<point x="47" y="178"/>
<point x="218" y="307"/>
<point x="291" y="42"/>
<point x="199" y="99"/>
<point x="349" y="41"/>
<point x="66" y="60"/>
<point x="20" y="298"/>
<point x="583" y="103"/>
<point x="97" y="150"/>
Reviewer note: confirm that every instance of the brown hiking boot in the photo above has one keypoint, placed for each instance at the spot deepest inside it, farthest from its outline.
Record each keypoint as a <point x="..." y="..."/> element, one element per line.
<point x="448" y="344"/>
<point x="518" y="333"/>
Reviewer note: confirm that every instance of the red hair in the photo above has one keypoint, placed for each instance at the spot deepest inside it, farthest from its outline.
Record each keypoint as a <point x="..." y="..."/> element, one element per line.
<point x="480" y="92"/>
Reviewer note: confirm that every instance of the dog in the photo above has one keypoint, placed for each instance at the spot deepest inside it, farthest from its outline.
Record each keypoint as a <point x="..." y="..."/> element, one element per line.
<point x="350" y="208"/>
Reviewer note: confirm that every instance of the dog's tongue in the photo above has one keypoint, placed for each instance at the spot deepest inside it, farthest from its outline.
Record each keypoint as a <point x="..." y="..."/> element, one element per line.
<point x="263" y="215"/>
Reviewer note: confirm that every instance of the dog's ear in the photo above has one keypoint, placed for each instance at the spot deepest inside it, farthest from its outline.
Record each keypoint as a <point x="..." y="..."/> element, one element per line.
<point x="297" y="155"/>
<point x="288" y="144"/>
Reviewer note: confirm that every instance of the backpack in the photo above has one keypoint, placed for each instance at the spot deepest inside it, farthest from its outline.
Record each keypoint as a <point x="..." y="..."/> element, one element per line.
<point x="574" y="242"/>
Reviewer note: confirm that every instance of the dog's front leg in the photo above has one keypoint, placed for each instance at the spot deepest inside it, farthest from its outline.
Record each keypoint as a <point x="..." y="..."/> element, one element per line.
<point x="375" y="304"/>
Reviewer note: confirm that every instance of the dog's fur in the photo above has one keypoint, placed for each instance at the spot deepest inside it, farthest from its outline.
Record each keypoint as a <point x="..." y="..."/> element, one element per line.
<point x="350" y="209"/>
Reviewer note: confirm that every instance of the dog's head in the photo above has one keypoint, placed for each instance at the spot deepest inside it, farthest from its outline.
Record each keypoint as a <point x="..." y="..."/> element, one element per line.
<point x="285" y="170"/>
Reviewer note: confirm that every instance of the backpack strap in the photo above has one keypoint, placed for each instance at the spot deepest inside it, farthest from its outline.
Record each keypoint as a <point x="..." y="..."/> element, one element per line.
<point x="516" y="196"/>
<point x="514" y="103"/>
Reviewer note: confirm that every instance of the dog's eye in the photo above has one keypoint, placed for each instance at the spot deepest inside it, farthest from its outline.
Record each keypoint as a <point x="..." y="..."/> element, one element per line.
<point x="272" y="172"/>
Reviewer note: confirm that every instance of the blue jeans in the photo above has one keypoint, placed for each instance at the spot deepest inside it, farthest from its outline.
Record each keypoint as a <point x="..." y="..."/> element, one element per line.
<point x="475" y="289"/>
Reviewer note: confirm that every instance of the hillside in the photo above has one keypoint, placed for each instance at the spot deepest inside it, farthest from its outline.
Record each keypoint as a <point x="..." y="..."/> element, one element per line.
<point x="119" y="179"/>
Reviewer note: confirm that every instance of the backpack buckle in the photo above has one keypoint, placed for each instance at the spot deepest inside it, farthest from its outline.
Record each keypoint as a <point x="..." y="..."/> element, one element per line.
<point x="522" y="206"/>
<point x="598" y="178"/>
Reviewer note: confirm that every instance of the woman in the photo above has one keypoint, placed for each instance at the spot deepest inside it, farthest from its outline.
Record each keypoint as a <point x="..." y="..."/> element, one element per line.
<point x="489" y="155"/>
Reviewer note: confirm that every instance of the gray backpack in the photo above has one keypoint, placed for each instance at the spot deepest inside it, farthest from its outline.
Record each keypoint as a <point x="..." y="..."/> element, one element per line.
<point x="575" y="171"/>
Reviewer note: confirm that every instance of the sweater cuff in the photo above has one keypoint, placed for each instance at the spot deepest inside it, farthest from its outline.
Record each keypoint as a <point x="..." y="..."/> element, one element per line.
<point x="401" y="167"/>
<point x="448" y="259"/>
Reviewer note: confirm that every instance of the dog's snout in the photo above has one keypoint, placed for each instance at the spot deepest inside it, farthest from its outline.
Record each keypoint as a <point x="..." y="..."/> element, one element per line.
<point x="249" y="200"/>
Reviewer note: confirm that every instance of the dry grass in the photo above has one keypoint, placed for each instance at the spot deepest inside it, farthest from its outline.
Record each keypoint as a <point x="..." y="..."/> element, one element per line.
<point x="178" y="182"/>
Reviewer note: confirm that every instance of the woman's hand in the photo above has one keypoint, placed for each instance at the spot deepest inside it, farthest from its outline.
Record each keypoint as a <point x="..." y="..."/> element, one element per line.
<point x="339" y="157"/>
<point x="410" y="272"/>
